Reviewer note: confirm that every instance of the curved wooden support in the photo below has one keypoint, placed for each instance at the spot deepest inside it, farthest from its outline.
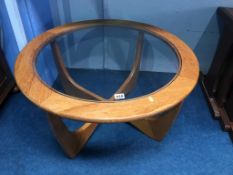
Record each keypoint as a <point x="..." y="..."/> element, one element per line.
<point x="69" y="85"/>
<point x="71" y="142"/>
<point x="131" y="80"/>
<point x="154" y="127"/>
<point x="158" y="126"/>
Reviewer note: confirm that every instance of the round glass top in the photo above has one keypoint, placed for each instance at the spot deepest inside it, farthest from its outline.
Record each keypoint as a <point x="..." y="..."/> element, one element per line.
<point x="107" y="63"/>
<point x="87" y="74"/>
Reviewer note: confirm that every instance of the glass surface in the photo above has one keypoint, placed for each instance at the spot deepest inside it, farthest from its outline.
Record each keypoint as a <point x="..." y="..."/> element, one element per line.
<point x="101" y="58"/>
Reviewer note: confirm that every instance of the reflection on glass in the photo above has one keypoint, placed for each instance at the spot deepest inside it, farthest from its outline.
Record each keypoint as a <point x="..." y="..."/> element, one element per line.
<point x="100" y="60"/>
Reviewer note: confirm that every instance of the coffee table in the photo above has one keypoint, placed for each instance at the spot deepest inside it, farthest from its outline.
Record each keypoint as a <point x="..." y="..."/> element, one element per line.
<point x="152" y="112"/>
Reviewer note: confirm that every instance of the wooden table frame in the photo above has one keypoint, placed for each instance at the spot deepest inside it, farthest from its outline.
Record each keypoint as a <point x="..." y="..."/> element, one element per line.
<point x="152" y="114"/>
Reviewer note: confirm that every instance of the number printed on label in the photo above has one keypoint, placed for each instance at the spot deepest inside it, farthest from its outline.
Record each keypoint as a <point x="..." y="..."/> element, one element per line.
<point x="119" y="96"/>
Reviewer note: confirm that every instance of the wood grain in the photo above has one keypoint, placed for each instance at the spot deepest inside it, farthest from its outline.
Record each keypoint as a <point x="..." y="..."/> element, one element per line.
<point x="73" y="142"/>
<point x="69" y="85"/>
<point x="157" y="127"/>
<point x="152" y="114"/>
<point x="106" y="111"/>
<point x="130" y="81"/>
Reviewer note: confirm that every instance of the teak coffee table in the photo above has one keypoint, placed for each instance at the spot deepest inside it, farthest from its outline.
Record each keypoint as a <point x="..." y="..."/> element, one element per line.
<point x="152" y="113"/>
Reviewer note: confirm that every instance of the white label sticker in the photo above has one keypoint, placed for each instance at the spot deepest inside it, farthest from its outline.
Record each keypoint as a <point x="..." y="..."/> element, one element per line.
<point x="120" y="96"/>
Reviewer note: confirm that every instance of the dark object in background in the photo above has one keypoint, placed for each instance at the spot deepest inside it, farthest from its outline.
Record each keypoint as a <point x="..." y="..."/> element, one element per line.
<point x="6" y="80"/>
<point x="218" y="83"/>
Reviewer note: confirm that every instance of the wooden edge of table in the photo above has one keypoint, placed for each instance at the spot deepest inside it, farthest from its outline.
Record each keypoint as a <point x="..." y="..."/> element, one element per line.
<point x="149" y="105"/>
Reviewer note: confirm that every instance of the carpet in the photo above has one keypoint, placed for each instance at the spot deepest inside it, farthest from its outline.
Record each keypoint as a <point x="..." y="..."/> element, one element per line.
<point x="195" y="144"/>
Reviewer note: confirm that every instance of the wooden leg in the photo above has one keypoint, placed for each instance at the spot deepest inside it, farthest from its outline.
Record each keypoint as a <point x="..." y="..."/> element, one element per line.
<point x="158" y="126"/>
<point x="71" y="142"/>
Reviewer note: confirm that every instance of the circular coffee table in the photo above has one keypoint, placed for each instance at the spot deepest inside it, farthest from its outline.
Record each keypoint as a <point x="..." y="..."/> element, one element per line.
<point x="151" y="113"/>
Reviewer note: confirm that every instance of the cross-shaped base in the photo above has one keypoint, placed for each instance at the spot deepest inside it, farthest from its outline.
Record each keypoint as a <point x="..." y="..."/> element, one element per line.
<point x="72" y="143"/>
